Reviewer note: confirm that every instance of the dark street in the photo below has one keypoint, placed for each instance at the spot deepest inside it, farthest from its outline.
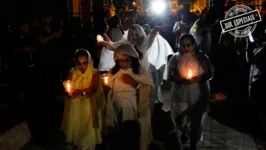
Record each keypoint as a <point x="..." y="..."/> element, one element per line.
<point x="222" y="130"/>
<point x="73" y="73"/>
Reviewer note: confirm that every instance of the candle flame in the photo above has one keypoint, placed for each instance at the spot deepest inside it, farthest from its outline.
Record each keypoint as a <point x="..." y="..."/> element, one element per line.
<point x="105" y="80"/>
<point x="189" y="74"/>
<point x="67" y="85"/>
<point x="99" y="38"/>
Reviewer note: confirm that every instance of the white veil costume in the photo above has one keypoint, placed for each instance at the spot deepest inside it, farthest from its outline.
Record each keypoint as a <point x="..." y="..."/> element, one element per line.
<point x="158" y="52"/>
<point x="155" y="51"/>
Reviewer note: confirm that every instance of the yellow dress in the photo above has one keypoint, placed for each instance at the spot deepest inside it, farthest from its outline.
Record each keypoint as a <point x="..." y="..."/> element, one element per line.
<point x="82" y="120"/>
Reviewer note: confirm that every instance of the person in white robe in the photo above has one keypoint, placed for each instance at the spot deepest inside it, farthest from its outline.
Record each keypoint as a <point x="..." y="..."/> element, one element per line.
<point x="127" y="25"/>
<point x="115" y="31"/>
<point x="137" y="38"/>
<point x="189" y="71"/>
<point x="153" y="50"/>
<point x="105" y="63"/>
<point x="158" y="52"/>
<point x="131" y="87"/>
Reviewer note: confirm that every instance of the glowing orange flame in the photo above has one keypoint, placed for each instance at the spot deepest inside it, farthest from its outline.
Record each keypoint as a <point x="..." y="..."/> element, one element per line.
<point x="99" y="38"/>
<point x="105" y="79"/>
<point x="189" y="74"/>
<point x="67" y="85"/>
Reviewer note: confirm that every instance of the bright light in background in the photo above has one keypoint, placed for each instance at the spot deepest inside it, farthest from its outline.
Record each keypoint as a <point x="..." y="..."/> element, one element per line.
<point x="158" y="6"/>
<point x="134" y="3"/>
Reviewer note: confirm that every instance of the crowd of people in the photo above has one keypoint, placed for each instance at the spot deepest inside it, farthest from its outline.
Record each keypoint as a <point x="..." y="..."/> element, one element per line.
<point x="136" y="55"/>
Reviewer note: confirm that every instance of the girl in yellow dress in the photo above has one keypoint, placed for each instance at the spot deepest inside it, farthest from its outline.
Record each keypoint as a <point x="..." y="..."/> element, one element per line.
<point x="82" y="120"/>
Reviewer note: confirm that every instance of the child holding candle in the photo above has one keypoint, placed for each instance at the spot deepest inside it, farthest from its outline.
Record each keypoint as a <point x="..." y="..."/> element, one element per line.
<point x="189" y="71"/>
<point x="130" y="91"/>
<point x="82" y="121"/>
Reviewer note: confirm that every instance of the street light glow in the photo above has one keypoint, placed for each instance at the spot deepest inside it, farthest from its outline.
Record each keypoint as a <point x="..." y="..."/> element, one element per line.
<point x="158" y="6"/>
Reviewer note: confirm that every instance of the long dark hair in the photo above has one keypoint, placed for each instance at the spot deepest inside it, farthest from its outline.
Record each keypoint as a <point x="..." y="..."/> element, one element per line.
<point x="135" y="65"/>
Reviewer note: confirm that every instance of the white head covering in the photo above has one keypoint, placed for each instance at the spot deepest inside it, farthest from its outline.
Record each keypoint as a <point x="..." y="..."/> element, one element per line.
<point x="90" y="66"/>
<point x="84" y="78"/>
<point x="125" y="49"/>
<point x="141" y="35"/>
<point x="144" y="76"/>
<point x="147" y="28"/>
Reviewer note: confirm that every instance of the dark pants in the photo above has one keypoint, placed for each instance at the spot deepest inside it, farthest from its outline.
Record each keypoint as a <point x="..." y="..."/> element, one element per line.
<point x="26" y="82"/>
<point x="42" y="112"/>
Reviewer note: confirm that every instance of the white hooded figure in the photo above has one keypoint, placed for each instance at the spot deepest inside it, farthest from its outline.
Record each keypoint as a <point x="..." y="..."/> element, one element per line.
<point x="189" y="70"/>
<point x="137" y="38"/>
<point x="153" y="51"/>
<point x="158" y="52"/>
<point x="130" y="89"/>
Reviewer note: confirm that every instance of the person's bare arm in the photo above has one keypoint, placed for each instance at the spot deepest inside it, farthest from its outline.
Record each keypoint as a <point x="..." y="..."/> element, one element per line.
<point x="155" y="30"/>
<point x="173" y="76"/>
<point x="176" y="28"/>
<point x="208" y="69"/>
<point x="109" y="44"/>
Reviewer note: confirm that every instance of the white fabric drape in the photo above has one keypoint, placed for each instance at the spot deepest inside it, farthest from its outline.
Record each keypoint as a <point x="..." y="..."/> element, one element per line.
<point x="158" y="54"/>
<point x="106" y="61"/>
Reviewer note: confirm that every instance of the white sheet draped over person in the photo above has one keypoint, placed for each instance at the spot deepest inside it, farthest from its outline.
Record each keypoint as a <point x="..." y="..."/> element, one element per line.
<point x="189" y="70"/>
<point x="153" y="51"/>
<point x="125" y="35"/>
<point x="129" y="97"/>
<point x="137" y="38"/>
<point x="105" y="63"/>
<point x="158" y="52"/>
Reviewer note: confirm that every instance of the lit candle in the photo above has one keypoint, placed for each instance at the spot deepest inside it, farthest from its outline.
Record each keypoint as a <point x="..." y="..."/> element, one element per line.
<point x="99" y="38"/>
<point x="189" y="74"/>
<point x="67" y="86"/>
<point x="105" y="79"/>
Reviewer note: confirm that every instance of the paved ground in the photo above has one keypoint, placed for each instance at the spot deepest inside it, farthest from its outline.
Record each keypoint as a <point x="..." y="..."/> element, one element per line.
<point x="216" y="135"/>
<point x="15" y="138"/>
